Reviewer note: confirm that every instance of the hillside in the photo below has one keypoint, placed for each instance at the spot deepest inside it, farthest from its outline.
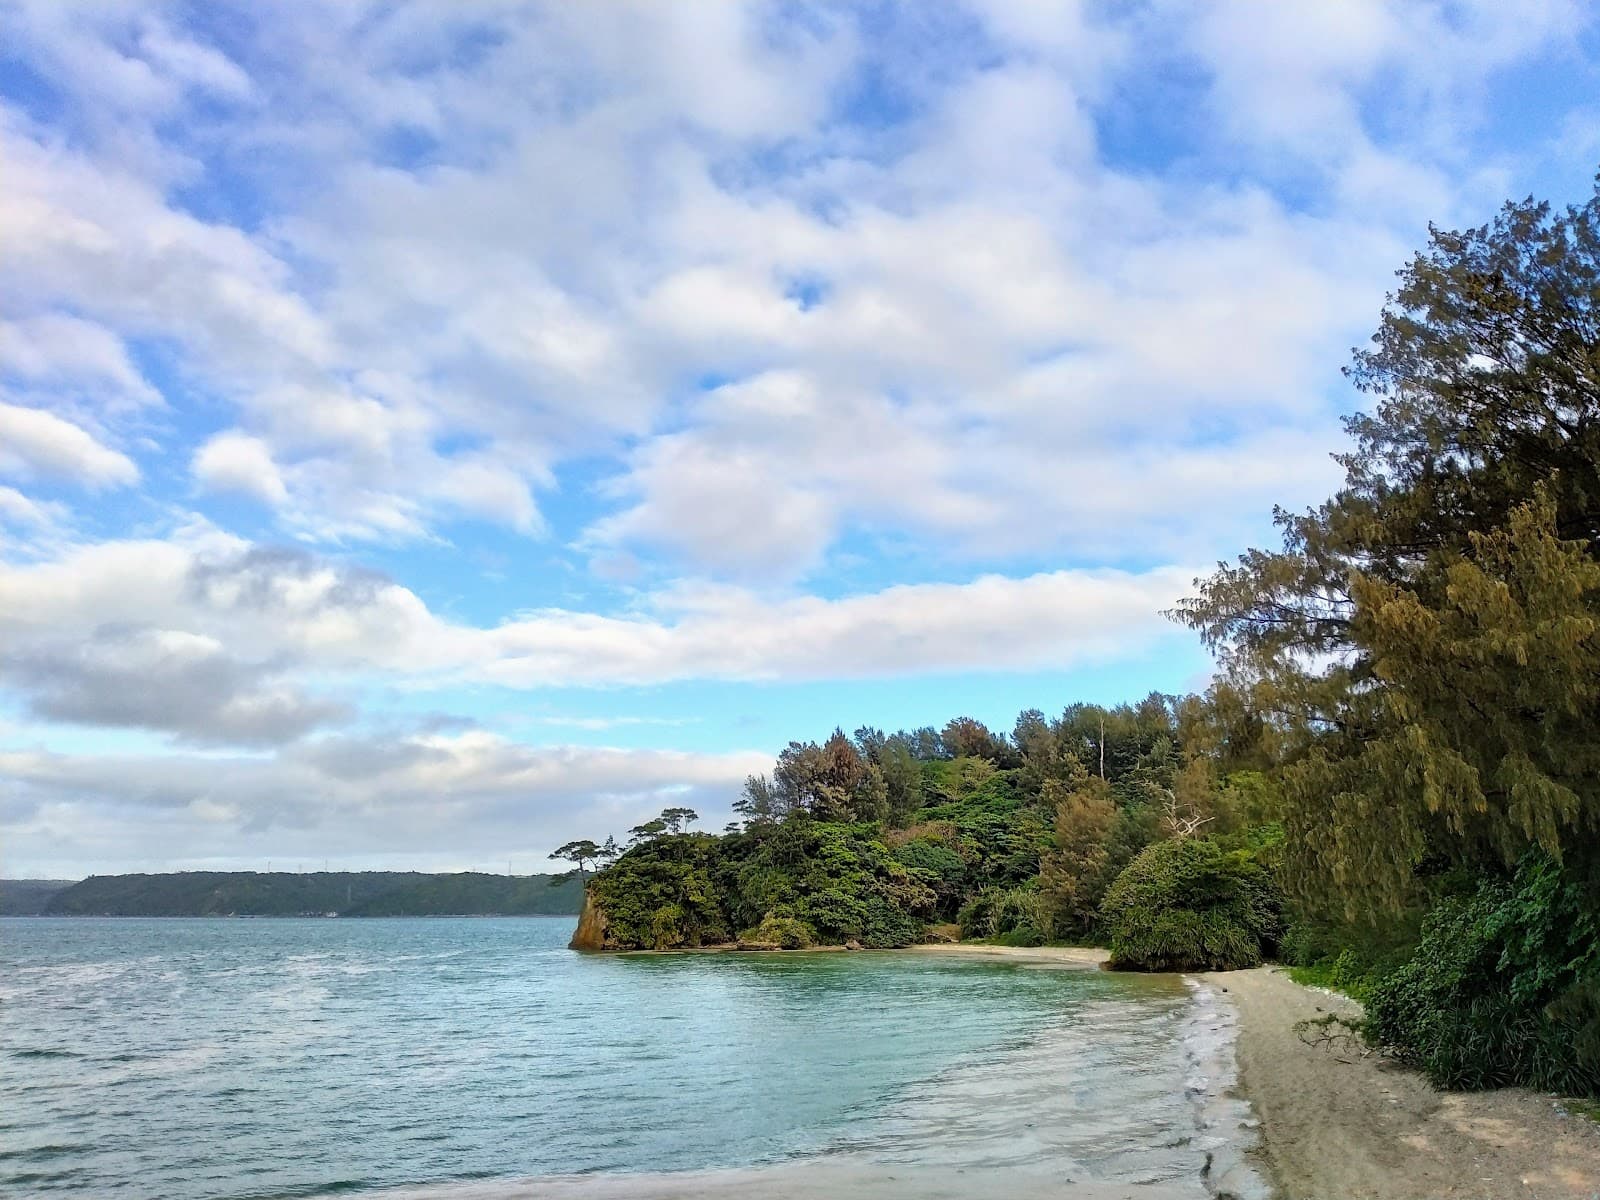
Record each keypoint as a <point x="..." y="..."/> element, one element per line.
<point x="316" y="893"/>
<point x="28" y="897"/>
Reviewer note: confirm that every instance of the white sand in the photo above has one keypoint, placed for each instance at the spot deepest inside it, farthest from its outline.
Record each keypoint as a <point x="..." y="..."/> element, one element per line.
<point x="1340" y="1123"/>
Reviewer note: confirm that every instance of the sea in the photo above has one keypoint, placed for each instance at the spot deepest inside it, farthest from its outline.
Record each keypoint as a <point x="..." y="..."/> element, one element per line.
<point x="191" y="1059"/>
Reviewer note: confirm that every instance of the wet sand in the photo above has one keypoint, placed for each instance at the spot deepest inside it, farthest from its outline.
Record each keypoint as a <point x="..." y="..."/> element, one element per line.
<point x="798" y="1181"/>
<point x="1063" y="956"/>
<point x="1339" y="1123"/>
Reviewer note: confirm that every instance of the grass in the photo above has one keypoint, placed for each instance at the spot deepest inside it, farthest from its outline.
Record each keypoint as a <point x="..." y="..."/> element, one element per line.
<point x="1583" y="1108"/>
<point x="1342" y="974"/>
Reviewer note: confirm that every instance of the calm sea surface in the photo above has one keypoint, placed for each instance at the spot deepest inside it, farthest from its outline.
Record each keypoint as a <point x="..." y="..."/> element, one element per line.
<point x="276" y="1058"/>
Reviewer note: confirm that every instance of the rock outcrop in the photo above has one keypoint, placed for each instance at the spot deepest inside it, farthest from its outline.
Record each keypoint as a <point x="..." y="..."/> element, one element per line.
<point x="591" y="931"/>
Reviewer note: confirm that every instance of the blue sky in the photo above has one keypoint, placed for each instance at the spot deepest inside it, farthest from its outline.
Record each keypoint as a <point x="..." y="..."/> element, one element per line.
<point x="432" y="432"/>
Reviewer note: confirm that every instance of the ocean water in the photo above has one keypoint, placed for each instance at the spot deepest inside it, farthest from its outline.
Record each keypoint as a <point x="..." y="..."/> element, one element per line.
<point x="283" y="1058"/>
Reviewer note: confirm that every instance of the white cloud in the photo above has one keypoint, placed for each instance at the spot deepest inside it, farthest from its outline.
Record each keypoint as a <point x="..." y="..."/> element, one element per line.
<point x="34" y="442"/>
<point x="236" y="462"/>
<point x="17" y="509"/>
<point x="434" y="801"/>
<point x="288" y="609"/>
<point x="64" y="352"/>
<point x="596" y="222"/>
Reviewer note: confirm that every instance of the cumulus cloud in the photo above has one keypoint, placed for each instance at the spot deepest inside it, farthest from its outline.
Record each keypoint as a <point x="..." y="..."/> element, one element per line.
<point x="68" y="355"/>
<point x="236" y="462"/>
<point x="164" y="680"/>
<point x="293" y="609"/>
<point x="1046" y="299"/>
<point x="35" y="442"/>
<point x="966" y="287"/>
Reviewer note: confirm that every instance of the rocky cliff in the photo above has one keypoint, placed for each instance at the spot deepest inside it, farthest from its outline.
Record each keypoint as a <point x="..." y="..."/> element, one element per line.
<point x="591" y="931"/>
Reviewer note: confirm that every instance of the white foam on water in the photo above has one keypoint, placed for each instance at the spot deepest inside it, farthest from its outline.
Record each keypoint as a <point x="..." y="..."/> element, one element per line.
<point x="1226" y="1124"/>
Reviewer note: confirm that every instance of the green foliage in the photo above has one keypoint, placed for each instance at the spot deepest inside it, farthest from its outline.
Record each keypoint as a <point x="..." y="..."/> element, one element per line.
<point x="317" y="893"/>
<point x="1011" y="916"/>
<point x="1452" y="583"/>
<point x="1344" y="972"/>
<point x="660" y="896"/>
<point x="940" y="866"/>
<point x="786" y="933"/>
<point x="1076" y="872"/>
<point x="840" y="882"/>
<point x="1504" y="988"/>
<point x="1186" y="905"/>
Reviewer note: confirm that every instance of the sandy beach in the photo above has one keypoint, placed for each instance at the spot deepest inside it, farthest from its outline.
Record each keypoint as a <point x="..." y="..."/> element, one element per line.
<point x="1064" y="956"/>
<point x="1341" y="1124"/>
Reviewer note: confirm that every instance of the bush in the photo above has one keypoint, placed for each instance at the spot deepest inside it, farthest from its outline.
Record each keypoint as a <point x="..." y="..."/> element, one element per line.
<point x="1504" y="988"/>
<point x="1187" y="905"/>
<point x="1010" y="916"/>
<point x="787" y="933"/>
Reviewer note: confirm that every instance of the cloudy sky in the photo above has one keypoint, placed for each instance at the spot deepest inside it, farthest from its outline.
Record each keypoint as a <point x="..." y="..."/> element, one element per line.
<point x="429" y="431"/>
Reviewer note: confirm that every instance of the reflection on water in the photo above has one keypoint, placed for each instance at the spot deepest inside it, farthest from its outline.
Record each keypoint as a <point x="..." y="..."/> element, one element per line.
<point x="277" y="1058"/>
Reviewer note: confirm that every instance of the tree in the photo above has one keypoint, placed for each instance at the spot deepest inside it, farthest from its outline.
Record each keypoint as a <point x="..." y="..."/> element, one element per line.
<point x="759" y="802"/>
<point x="870" y="802"/>
<point x="843" y="767"/>
<point x="579" y="853"/>
<point x="1423" y="642"/>
<point x="902" y="782"/>
<point x="649" y="831"/>
<point x="677" y="820"/>
<point x="1074" y="875"/>
<point x="965" y="737"/>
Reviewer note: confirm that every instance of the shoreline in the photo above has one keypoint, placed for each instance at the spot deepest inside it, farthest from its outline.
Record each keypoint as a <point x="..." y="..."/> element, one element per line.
<point x="1344" y="1123"/>
<point x="1341" y="1122"/>
<point x="1086" y="957"/>
<point x="1083" y="957"/>
<point x="1319" y="1121"/>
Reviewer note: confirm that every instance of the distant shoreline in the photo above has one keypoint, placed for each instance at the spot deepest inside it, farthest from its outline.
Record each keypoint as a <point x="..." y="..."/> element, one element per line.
<point x="288" y="916"/>
<point x="298" y="894"/>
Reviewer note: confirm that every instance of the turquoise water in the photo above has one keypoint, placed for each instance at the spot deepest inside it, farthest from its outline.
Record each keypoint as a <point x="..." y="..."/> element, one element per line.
<point x="239" y="1058"/>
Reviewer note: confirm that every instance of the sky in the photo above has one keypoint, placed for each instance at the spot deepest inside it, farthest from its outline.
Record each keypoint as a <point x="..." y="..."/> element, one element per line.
<point x="431" y="432"/>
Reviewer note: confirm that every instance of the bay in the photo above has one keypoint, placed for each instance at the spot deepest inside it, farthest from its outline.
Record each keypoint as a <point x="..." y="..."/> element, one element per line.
<point x="198" y="1059"/>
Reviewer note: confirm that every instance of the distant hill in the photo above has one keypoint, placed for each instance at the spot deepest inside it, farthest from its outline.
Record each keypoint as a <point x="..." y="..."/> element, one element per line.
<point x="317" y="893"/>
<point x="28" y="897"/>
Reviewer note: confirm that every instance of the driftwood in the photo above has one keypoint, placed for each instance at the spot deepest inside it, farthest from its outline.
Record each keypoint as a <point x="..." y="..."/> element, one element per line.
<point x="1333" y="1033"/>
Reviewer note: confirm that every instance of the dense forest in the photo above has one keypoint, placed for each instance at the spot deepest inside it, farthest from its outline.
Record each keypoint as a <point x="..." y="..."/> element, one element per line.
<point x="1393" y="783"/>
<point x="316" y="893"/>
<point x="29" y="897"/>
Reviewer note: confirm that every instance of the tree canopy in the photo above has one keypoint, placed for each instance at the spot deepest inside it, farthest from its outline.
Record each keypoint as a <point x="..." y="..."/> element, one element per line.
<point x="1425" y="642"/>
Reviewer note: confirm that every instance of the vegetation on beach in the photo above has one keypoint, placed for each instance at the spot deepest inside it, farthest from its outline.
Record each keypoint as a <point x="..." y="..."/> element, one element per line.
<point x="1426" y="646"/>
<point x="1394" y="781"/>
<point x="873" y="838"/>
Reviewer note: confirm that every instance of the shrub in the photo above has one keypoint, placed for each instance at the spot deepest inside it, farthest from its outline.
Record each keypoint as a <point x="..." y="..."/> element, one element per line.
<point x="1504" y="988"/>
<point x="1187" y="905"/>
<point x="787" y="933"/>
<point x="1011" y="916"/>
